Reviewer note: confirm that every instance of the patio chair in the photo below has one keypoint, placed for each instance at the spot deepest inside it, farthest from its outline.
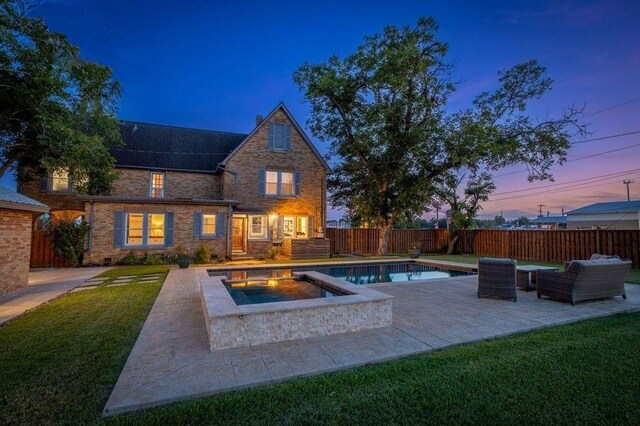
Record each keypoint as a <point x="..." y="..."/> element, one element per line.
<point x="497" y="278"/>
<point x="585" y="280"/>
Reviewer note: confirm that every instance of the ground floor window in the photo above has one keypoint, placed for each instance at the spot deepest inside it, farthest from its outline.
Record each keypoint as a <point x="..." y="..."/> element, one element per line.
<point x="134" y="228"/>
<point x="155" y="232"/>
<point x="209" y="224"/>
<point x="257" y="227"/>
<point x="295" y="227"/>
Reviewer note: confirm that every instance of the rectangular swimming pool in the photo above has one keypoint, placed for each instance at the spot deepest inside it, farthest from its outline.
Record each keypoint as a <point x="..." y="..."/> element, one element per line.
<point x="361" y="274"/>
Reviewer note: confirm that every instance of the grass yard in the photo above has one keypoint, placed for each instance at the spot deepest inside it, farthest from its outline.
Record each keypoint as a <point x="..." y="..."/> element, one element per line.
<point x="633" y="277"/>
<point x="60" y="362"/>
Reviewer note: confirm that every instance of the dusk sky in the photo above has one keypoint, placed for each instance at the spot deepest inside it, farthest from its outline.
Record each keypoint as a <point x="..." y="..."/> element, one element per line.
<point x="216" y="64"/>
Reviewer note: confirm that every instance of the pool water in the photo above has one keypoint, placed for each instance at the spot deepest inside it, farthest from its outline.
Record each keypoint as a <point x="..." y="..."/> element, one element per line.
<point x="249" y="292"/>
<point x="388" y="273"/>
<point x="354" y="273"/>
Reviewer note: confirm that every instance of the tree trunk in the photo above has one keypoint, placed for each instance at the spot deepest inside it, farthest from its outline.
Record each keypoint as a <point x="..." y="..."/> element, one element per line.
<point x="383" y="242"/>
<point x="452" y="244"/>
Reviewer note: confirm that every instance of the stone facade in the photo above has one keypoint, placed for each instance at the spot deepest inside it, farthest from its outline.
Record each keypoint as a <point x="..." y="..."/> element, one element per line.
<point x="15" y="249"/>
<point x="100" y="215"/>
<point x="255" y="154"/>
<point x="135" y="183"/>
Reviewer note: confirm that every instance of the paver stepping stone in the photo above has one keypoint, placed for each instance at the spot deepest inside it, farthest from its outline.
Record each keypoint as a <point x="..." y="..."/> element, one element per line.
<point x="152" y="276"/>
<point x="119" y="281"/>
<point x="83" y="288"/>
<point x="126" y="276"/>
<point x="97" y="280"/>
<point x="117" y="284"/>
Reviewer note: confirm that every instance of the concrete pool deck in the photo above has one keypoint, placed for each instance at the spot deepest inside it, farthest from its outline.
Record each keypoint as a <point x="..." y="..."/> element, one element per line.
<point x="171" y="360"/>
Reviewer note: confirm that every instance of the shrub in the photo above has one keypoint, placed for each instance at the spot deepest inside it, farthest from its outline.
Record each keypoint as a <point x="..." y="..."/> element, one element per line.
<point x="202" y="254"/>
<point x="130" y="259"/>
<point x="153" y="259"/>
<point x="68" y="239"/>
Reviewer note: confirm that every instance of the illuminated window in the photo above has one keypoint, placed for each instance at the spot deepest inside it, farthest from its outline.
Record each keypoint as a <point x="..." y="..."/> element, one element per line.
<point x="208" y="224"/>
<point x="60" y="180"/>
<point x="271" y="183"/>
<point x="302" y="223"/>
<point x="156" y="229"/>
<point x="258" y="227"/>
<point x="157" y="185"/>
<point x="287" y="227"/>
<point x="286" y="183"/>
<point x="134" y="228"/>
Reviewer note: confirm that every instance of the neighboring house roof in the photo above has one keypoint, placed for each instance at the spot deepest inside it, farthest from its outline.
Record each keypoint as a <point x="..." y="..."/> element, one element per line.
<point x="545" y="220"/>
<point x="297" y="127"/>
<point x="13" y="201"/>
<point x="613" y="207"/>
<point x="156" y="146"/>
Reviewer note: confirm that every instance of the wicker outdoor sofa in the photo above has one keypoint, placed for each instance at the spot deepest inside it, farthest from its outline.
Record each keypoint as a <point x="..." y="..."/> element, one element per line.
<point x="585" y="280"/>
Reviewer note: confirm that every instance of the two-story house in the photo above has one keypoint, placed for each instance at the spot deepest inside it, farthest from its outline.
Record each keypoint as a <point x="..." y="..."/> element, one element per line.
<point x="241" y="194"/>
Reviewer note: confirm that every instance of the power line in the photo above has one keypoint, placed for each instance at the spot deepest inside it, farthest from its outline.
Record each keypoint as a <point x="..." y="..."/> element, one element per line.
<point x="570" y="182"/>
<point x="606" y="137"/>
<point x="611" y="107"/>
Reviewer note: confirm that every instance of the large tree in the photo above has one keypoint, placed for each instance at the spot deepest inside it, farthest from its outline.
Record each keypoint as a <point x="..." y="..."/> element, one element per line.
<point x="383" y="109"/>
<point x="57" y="111"/>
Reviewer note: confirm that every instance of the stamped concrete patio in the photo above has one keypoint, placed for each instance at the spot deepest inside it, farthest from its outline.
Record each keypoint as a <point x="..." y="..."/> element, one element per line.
<point x="171" y="360"/>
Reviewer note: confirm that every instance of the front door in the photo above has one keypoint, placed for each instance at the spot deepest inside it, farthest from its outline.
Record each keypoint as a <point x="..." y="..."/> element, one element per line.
<point x="238" y="235"/>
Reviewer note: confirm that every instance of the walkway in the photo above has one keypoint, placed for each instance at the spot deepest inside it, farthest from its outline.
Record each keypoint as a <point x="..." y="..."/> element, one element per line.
<point x="44" y="285"/>
<point x="171" y="360"/>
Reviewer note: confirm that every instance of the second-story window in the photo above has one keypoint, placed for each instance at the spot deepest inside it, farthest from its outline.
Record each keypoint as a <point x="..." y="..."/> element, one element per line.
<point x="271" y="187"/>
<point x="60" y="180"/>
<point x="279" y="137"/>
<point x="286" y="183"/>
<point x="157" y="185"/>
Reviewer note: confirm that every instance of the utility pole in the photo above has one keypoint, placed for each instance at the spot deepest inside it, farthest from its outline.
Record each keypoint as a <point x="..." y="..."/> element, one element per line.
<point x="540" y="206"/>
<point x="627" y="182"/>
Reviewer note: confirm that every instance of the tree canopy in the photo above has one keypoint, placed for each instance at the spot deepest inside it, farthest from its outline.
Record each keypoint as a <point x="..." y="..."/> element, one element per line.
<point x="57" y="111"/>
<point x="383" y="109"/>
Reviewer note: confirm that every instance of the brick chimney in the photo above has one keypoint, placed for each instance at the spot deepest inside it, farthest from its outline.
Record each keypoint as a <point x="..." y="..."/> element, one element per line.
<point x="259" y="119"/>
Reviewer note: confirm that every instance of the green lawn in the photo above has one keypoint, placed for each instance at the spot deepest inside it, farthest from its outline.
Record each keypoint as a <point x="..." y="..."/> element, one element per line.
<point x="633" y="277"/>
<point x="60" y="362"/>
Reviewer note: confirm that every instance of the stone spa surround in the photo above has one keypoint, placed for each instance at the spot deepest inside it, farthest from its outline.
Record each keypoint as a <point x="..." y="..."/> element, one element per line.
<point x="230" y="325"/>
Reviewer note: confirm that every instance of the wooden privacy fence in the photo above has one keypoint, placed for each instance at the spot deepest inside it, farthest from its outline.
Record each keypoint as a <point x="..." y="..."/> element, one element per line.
<point x="534" y="245"/>
<point x="42" y="253"/>
<point x="552" y="246"/>
<point x="365" y="241"/>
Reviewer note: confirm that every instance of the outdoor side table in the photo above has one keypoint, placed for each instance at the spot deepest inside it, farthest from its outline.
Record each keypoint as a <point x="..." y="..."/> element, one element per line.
<point x="526" y="276"/>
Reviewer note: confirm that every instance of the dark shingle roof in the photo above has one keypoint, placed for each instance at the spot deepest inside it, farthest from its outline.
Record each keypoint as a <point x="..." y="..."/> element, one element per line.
<point x="156" y="146"/>
<point x="12" y="200"/>
<point x="614" y="207"/>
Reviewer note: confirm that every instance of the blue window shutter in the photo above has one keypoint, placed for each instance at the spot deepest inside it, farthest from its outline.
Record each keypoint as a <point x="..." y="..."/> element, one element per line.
<point x="118" y="229"/>
<point x="44" y="184"/>
<point x="279" y="185"/>
<point x="197" y="224"/>
<point x="297" y="182"/>
<point x="145" y="228"/>
<point x="287" y="137"/>
<point x="220" y="224"/>
<point x="280" y="227"/>
<point x="272" y="135"/>
<point x="310" y="232"/>
<point x="168" y="227"/>
<point x="262" y="181"/>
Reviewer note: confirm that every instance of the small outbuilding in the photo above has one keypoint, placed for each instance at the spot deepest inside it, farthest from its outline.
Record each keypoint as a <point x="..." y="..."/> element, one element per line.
<point x="614" y="215"/>
<point x="550" y="222"/>
<point x="16" y="218"/>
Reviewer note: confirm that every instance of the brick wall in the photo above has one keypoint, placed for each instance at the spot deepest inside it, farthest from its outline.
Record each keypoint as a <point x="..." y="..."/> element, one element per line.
<point x="135" y="183"/>
<point x="255" y="154"/>
<point x="55" y="200"/>
<point x="101" y="241"/>
<point x="15" y="249"/>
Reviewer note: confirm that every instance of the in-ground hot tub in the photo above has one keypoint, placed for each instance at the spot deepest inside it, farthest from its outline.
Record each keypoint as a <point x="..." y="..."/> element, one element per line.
<point x="310" y="305"/>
